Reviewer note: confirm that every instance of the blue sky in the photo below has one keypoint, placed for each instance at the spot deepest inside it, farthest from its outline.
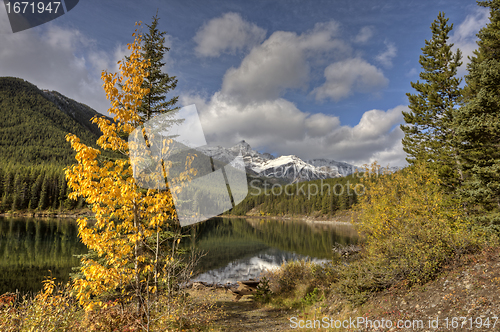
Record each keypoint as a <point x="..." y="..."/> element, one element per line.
<point x="318" y="79"/>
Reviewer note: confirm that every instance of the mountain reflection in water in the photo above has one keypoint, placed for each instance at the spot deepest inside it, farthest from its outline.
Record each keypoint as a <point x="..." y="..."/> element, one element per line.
<point x="235" y="248"/>
<point x="240" y="249"/>
<point x="33" y="248"/>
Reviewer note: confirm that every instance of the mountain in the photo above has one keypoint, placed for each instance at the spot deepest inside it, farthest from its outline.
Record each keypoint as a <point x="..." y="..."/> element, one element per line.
<point x="34" y="123"/>
<point x="288" y="168"/>
<point x="343" y="168"/>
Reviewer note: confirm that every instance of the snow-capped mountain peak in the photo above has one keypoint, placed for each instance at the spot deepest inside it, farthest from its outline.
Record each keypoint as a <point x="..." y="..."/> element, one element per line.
<point x="289" y="168"/>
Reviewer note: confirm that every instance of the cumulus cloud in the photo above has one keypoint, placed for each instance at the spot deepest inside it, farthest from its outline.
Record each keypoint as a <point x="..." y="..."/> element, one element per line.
<point x="250" y="103"/>
<point x="227" y="34"/>
<point x="464" y="36"/>
<point x="385" y="58"/>
<point x="364" y="35"/>
<point x="280" y="63"/>
<point x="343" y="78"/>
<point x="58" y="59"/>
<point x="280" y="127"/>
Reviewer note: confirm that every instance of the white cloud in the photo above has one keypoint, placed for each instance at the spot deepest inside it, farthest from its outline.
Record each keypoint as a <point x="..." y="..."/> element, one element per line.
<point x="56" y="58"/>
<point x="412" y="72"/>
<point x="280" y="63"/>
<point x="365" y="33"/>
<point x="348" y="76"/>
<point x="385" y="58"/>
<point x="464" y="35"/>
<point x="250" y="103"/>
<point x="227" y="34"/>
<point x="280" y="127"/>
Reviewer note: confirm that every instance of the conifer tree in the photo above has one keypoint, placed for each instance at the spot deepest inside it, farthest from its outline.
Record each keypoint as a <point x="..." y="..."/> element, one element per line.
<point x="63" y="188"/>
<point x="35" y="191"/>
<point x="325" y="204"/>
<point x="478" y="124"/>
<point x="43" y="202"/>
<point x="428" y="131"/>
<point x="1" y="181"/>
<point x="159" y="83"/>
<point x="17" y="204"/>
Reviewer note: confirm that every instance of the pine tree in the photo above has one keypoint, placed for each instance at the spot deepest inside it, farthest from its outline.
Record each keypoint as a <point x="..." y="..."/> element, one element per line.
<point x="63" y="188"/>
<point x="478" y="124"/>
<point x="334" y="203"/>
<point x="17" y="200"/>
<point x="1" y="181"/>
<point x="43" y="202"/>
<point x="35" y="191"/>
<point x="428" y="131"/>
<point x="159" y="83"/>
<point x="7" y="182"/>
<point x="325" y="204"/>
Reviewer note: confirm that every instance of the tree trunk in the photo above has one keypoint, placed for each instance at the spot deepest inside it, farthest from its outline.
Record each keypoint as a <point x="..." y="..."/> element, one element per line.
<point x="136" y="260"/>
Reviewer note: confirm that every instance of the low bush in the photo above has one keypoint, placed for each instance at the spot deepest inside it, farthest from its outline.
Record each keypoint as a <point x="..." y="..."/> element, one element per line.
<point x="411" y="228"/>
<point x="51" y="310"/>
<point x="307" y="274"/>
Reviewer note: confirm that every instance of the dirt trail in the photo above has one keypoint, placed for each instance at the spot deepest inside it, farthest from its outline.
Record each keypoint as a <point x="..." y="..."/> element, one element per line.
<point x="468" y="290"/>
<point x="246" y="314"/>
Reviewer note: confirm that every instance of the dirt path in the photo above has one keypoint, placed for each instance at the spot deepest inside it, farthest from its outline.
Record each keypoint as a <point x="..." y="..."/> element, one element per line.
<point x="465" y="297"/>
<point x="244" y="315"/>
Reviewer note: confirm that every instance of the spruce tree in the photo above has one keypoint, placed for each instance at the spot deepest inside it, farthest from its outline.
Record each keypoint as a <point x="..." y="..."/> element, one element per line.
<point x="17" y="200"/>
<point x="158" y="82"/>
<point x="1" y="181"/>
<point x="36" y="188"/>
<point x="43" y="202"/>
<point x="325" y="204"/>
<point x="478" y="124"/>
<point x="428" y="131"/>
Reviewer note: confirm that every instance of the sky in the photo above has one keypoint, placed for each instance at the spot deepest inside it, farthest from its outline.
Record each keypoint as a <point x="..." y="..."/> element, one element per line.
<point x="316" y="79"/>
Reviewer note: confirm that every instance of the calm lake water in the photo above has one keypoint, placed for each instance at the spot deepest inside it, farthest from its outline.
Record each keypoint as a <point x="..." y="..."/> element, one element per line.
<point x="236" y="248"/>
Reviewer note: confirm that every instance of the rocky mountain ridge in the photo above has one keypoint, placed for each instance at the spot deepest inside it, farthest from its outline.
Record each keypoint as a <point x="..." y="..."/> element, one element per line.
<point x="289" y="168"/>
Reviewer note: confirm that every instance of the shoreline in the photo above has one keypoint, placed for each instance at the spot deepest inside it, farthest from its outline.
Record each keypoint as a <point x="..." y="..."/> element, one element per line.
<point x="307" y="219"/>
<point x="339" y="220"/>
<point x="49" y="214"/>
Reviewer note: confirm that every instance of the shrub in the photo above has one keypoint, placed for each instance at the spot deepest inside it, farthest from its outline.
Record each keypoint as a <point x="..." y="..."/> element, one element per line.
<point x="312" y="297"/>
<point x="263" y="293"/>
<point x="52" y="309"/>
<point x="309" y="275"/>
<point x="411" y="228"/>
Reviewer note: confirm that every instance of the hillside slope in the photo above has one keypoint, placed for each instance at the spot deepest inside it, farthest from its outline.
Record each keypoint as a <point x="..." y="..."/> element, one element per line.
<point x="34" y="123"/>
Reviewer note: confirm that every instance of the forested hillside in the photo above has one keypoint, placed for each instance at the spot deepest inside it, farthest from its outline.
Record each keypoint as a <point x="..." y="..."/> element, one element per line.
<point x="313" y="197"/>
<point x="34" y="123"/>
<point x="37" y="187"/>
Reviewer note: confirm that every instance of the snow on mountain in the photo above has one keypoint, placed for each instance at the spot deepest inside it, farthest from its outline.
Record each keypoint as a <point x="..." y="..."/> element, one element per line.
<point x="289" y="168"/>
<point x="293" y="169"/>
<point x="343" y="168"/>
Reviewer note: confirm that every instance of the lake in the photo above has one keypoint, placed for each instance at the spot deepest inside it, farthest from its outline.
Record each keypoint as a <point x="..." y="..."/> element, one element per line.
<point x="236" y="248"/>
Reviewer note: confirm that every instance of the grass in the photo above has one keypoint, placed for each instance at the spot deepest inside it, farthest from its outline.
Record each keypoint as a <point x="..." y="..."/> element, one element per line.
<point x="55" y="309"/>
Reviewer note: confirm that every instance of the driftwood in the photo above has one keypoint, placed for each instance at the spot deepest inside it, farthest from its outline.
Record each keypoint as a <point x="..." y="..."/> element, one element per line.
<point x="248" y="287"/>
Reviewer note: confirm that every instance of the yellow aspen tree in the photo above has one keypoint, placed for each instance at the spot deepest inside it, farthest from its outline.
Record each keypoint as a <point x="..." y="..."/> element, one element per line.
<point x="125" y="214"/>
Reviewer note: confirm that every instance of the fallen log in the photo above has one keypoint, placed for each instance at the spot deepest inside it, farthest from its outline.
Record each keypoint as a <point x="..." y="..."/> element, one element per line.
<point x="248" y="287"/>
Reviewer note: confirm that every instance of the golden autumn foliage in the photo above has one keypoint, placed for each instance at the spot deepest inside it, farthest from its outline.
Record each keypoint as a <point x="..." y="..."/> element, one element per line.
<point x="125" y="215"/>
<point x="410" y="229"/>
<point x="409" y="221"/>
<point x="396" y="203"/>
